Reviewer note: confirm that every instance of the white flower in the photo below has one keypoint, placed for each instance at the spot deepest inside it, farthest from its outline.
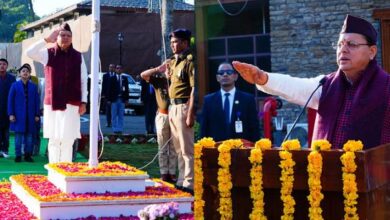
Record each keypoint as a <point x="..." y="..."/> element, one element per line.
<point x="236" y="102"/>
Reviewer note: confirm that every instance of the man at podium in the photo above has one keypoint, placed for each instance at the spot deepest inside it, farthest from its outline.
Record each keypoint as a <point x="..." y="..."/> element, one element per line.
<point x="354" y="101"/>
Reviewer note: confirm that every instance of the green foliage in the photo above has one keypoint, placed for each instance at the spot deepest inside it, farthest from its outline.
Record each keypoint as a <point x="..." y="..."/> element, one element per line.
<point x="13" y="12"/>
<point x="19" y="35"/>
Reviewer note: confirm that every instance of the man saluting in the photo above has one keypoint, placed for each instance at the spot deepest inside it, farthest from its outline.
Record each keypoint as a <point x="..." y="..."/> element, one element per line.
<point x="65" y="91"/>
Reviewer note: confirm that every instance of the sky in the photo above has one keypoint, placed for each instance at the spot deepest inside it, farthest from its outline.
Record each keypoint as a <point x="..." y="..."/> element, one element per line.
<point x="46" y="7"/>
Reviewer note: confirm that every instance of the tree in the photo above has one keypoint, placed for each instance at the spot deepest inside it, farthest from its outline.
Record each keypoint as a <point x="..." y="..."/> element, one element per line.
<point x="19" y="35"/>
<point x="13" y="13"/>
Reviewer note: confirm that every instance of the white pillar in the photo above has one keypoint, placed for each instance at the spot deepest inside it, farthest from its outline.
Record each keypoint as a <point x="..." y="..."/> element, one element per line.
<point x="94" y="110"/>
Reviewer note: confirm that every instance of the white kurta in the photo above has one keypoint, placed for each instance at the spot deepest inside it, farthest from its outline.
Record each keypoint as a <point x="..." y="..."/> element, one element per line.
<point x="293" y="89"/>
<point x="60" y="124"/>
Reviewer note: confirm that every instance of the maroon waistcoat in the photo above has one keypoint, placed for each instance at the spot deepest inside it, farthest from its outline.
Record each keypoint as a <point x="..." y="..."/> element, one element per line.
<point x="369" y="105"/>
<point x="63" y="78"/>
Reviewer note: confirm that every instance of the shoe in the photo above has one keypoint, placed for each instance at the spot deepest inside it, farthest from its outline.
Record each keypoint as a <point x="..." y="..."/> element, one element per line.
<point x="152" y="140"/>
<point x="179" y="187"/>
<point x="188" y="190"/>
<point x="28" y="158"/>
<point x="173" y="178"/>
<point x="18" y="159"/>
<point x="165" y="177"/>
<point x="5" y="154"/>
<point x="108" y="125"/>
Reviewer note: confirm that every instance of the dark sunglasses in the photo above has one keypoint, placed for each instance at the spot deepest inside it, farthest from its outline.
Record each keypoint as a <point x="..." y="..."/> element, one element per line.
<point x="222" y="72"/>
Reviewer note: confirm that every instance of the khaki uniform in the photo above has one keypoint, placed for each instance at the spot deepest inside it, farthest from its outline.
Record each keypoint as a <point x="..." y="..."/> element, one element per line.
<point x="181" y="83"/>
<point x="167" y="157"/>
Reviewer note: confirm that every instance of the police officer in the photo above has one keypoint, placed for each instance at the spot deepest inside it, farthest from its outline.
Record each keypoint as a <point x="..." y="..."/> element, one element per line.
<point x="181" y="112"/>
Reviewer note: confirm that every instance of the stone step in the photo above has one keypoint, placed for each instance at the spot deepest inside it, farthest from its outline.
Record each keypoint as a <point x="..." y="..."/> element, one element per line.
<point x="121" y="178"/>
<point x="46" y="201"/>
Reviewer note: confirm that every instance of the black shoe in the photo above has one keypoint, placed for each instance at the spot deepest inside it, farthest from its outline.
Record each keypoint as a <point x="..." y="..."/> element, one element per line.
<point x="165" y="177"/>
<point x="28" y="159"/>
<point x="18" y="159"/>
<point x="188" y="190"/>
<point x="179" y="187"/>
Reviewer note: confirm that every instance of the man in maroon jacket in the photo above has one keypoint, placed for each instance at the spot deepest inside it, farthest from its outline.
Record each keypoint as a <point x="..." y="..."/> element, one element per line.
<point x="354" y="102"/>
<point x="65" y="91"/>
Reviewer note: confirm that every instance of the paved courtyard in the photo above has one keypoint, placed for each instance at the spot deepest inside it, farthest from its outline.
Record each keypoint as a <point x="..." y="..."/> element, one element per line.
<point x="132" y="124"/>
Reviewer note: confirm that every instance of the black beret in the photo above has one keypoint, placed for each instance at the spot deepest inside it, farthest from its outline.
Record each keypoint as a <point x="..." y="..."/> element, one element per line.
<point x="359" y="26"/>
<point x="66" y="27"/>
<point x="181" y="33"/>
<point x="27" y="66"/>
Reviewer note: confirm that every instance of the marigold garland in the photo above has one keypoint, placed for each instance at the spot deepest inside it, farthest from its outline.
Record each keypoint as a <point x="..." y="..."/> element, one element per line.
<point x="224" y="177"/>
<point x="256" y="173"/>
<point x="198" y="175"/>
<point x="314" y="170"/>
<point x="349" y="179"/>
<point x="287" y="177"/>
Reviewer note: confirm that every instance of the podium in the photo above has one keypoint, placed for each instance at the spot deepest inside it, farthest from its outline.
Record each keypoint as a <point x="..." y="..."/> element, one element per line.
<point x="372" y="177"/>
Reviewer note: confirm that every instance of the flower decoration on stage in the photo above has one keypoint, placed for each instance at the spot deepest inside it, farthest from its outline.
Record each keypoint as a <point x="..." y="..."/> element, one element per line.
<point x="263" y="144"/>
<point x="198" y="175"/>
<point x="349" y="178"/>
<point x="287" y="177"/>
<point x="256" y="174"/>
<point x="224" y="177"/>
<point x="159" y="211"/>
<point x="314" y="170"/>
<point x="44" y="191"/>
<point x="11" y="206"/>
<point x="103" y="169"/>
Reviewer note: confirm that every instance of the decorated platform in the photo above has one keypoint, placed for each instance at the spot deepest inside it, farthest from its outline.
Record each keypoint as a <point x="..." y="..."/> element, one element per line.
<point x="107" y="177"/>
<point x="45" y="197"/>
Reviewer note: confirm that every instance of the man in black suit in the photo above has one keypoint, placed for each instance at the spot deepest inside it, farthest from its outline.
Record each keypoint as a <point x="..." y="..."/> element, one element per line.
<point x="105" y="92"/>
<point x="119" y="96"/>
<point x="148" y="97"/>
<point x="229" y="113"/>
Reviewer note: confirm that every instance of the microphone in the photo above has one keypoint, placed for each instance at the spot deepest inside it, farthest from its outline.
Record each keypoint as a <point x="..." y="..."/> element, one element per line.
<point x="322" y="81"/>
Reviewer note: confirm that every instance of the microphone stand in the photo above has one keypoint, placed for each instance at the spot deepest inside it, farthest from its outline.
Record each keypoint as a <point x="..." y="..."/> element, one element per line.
<point x="322" y="81"/>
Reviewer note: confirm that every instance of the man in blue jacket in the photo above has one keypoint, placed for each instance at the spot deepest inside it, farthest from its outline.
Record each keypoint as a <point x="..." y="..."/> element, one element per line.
<point x="6" y="80"/>
<point x="229" y="112"/>
<point x="23" y="111"/>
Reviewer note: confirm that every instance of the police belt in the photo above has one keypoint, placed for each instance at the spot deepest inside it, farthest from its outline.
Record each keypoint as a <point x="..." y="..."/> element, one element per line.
<point x="163" y="111"/>
<point x="179" y="101"/>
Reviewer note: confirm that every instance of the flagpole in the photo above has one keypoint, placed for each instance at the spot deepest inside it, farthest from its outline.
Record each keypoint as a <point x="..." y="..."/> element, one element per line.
<point x="94" y="110"/>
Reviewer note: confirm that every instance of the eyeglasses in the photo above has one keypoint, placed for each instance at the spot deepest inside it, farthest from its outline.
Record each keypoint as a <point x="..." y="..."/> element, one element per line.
<point x="222" y="72"/>
<point x="350" y="45"/>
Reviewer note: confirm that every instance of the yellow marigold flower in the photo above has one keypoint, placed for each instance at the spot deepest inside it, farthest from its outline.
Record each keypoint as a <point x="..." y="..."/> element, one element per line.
<point x="352" y="145"/>
<point x="291" y="145"/>
<point x="263" y="144"/>
<point x="256" y="156"/>
<point x="322" y="145"/>
<point x="207" y="142"/>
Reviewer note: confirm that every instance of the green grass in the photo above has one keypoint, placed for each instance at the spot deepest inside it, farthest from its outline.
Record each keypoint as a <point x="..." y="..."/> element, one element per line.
<point x="8" y="167"/>
<point x="136" y="155"/>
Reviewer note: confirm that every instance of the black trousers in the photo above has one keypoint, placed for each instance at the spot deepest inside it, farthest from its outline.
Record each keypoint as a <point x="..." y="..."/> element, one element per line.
<point x="4" y="139"/>
<point x="108" y="112"/>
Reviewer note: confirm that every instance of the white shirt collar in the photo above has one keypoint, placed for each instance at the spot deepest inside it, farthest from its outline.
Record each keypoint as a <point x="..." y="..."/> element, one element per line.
<point x="232" y="92"/>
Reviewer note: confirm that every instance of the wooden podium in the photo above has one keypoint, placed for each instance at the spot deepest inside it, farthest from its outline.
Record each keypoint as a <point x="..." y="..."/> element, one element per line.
<point x="372" y="174"/>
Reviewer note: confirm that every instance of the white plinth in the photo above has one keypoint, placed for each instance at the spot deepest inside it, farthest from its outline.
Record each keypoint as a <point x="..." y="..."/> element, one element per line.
<point x="102" y="208"/>
<point x="98" y="184"/>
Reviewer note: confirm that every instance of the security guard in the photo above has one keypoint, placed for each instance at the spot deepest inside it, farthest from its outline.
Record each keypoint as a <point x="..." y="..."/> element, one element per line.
<point x="181" y="112"/>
